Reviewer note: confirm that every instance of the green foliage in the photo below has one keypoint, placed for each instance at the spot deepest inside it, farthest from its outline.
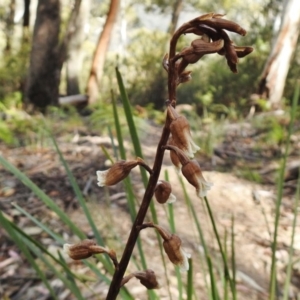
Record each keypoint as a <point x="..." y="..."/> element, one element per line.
<point x="145" y="78"/>
<point x="13" y="68"/>
<point x="251" y="175"/>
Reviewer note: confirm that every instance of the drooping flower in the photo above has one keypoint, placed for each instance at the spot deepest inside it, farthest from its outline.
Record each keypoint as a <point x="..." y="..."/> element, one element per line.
<point x="176" y="254"/>
<point x="119" y="171"/>
<point x="86" y="249"/>
<point x="181" y="134"/>
<point x="163" y="192"/>
<point x="214" y="39"/>
<point x="197" y="50"/>
<point x="217" y="22"/>
<point x="147" y="278"/>
<point x="83" y="249"/>
<point x="172" y="246"/>
<point x="192" y="172"/>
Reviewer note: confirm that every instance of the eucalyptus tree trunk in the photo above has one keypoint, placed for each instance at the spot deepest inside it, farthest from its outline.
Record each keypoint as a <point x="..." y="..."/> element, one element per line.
<point x="44" y="73"/>
<point x="9" y="30"/>
<point x="26" y="20"/>
<point x="96" y="72"/>
<point x="274" y="75"/>
<point x="75" y="55"/>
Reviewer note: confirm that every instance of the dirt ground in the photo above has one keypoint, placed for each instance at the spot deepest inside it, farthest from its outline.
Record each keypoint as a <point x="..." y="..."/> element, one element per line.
<point x="251" y="204"/>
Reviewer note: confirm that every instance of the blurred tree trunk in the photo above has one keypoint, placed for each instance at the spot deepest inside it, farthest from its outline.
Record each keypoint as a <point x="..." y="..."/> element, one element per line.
<point x="75" y="55"/>
<point x="47" y="54"/>
<point x="26" y="20"/>
<point x="9" y="30"/>
<point x="43" y="77"/>
<point x="100" y="53"/>
<point x="274" y="75"/>
<point x="175" y="16"/>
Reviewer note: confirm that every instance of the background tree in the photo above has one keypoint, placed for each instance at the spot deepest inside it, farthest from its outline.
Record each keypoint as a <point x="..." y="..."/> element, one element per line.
<point x="99" y="56"/>
<point x="9" y="29"/>
<point x="275" y="72"/>
<point x="43" y="78"/>
<point x="75" y="54"/>
<point x="26" y="19"/>
<point x="175" y="16"/>
<point x="48" y="53"/>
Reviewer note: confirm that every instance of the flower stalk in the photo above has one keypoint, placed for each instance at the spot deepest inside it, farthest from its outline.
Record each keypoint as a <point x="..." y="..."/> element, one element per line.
<point x="213" y="39"/>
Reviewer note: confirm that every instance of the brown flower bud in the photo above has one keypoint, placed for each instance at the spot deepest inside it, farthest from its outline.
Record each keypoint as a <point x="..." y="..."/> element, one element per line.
<point x="198" y="48"/>
<point x="119" y="171"/>
<point x="176" y="254"/>
<point x="205" y="47"/>
<point x="218" y="23"/>
<point x="192" y="172"/>
<point x="83" y="249"/>
<point x="243" y="51"/>
<point x="86" y="249"/>
<point x="172" y="246"/>
<point x="163" y="192"/>
<point x="147" y="278"/>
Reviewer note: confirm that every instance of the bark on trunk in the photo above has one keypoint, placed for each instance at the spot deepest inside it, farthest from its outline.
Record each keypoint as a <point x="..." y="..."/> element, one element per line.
<point x="75" y="55"/>
<point x="26" y="20"/>
<point x="100" y="53"/>
<point x="274" y="75"/>
<point x="44" y="73"/>
<point x="9" y="30"/>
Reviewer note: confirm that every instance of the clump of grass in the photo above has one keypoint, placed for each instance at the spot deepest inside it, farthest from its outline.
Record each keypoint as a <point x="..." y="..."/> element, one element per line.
<point x="175" y="139"/>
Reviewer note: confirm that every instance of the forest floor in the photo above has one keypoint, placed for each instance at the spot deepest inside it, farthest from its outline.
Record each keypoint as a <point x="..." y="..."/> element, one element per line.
<point x="252" y="205"/>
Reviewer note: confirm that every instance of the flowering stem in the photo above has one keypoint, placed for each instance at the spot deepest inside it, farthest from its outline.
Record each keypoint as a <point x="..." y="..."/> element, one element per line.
<point x="118" y="275"/>
<point x="154" y="175"/>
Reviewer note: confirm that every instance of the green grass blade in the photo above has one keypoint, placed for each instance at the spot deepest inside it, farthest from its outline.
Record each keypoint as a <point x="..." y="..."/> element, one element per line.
<point x="273" y="281"/>
<point x="136" y="142"/>
<point x="70" y="284"/>
<point x="105" y="260"/>
<point x="129" y="116"/>
<point x="92" y="266"/>
<point x="19" y="243"/>
<point x="54" y="235"/>
<point x="225" y="262"/>
<point x="233" y="264"/>
<point x="118" y="129"/>
<point x="42" y="196"/>
<point x="225" y="282"/>
<point x="291" y="251"/>
<point x="131" y="200"/>
<point x="77" y="192"/>
<point x="73" y="284"/>
<point x="190" y="287"/>
<point x="177" y="271"/>
<point x="214" y="292"/>
<point x="199" y="230"/>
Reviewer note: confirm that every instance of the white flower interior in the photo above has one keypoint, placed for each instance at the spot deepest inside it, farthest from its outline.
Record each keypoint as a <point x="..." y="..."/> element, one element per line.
<point x="101" y="177"/>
